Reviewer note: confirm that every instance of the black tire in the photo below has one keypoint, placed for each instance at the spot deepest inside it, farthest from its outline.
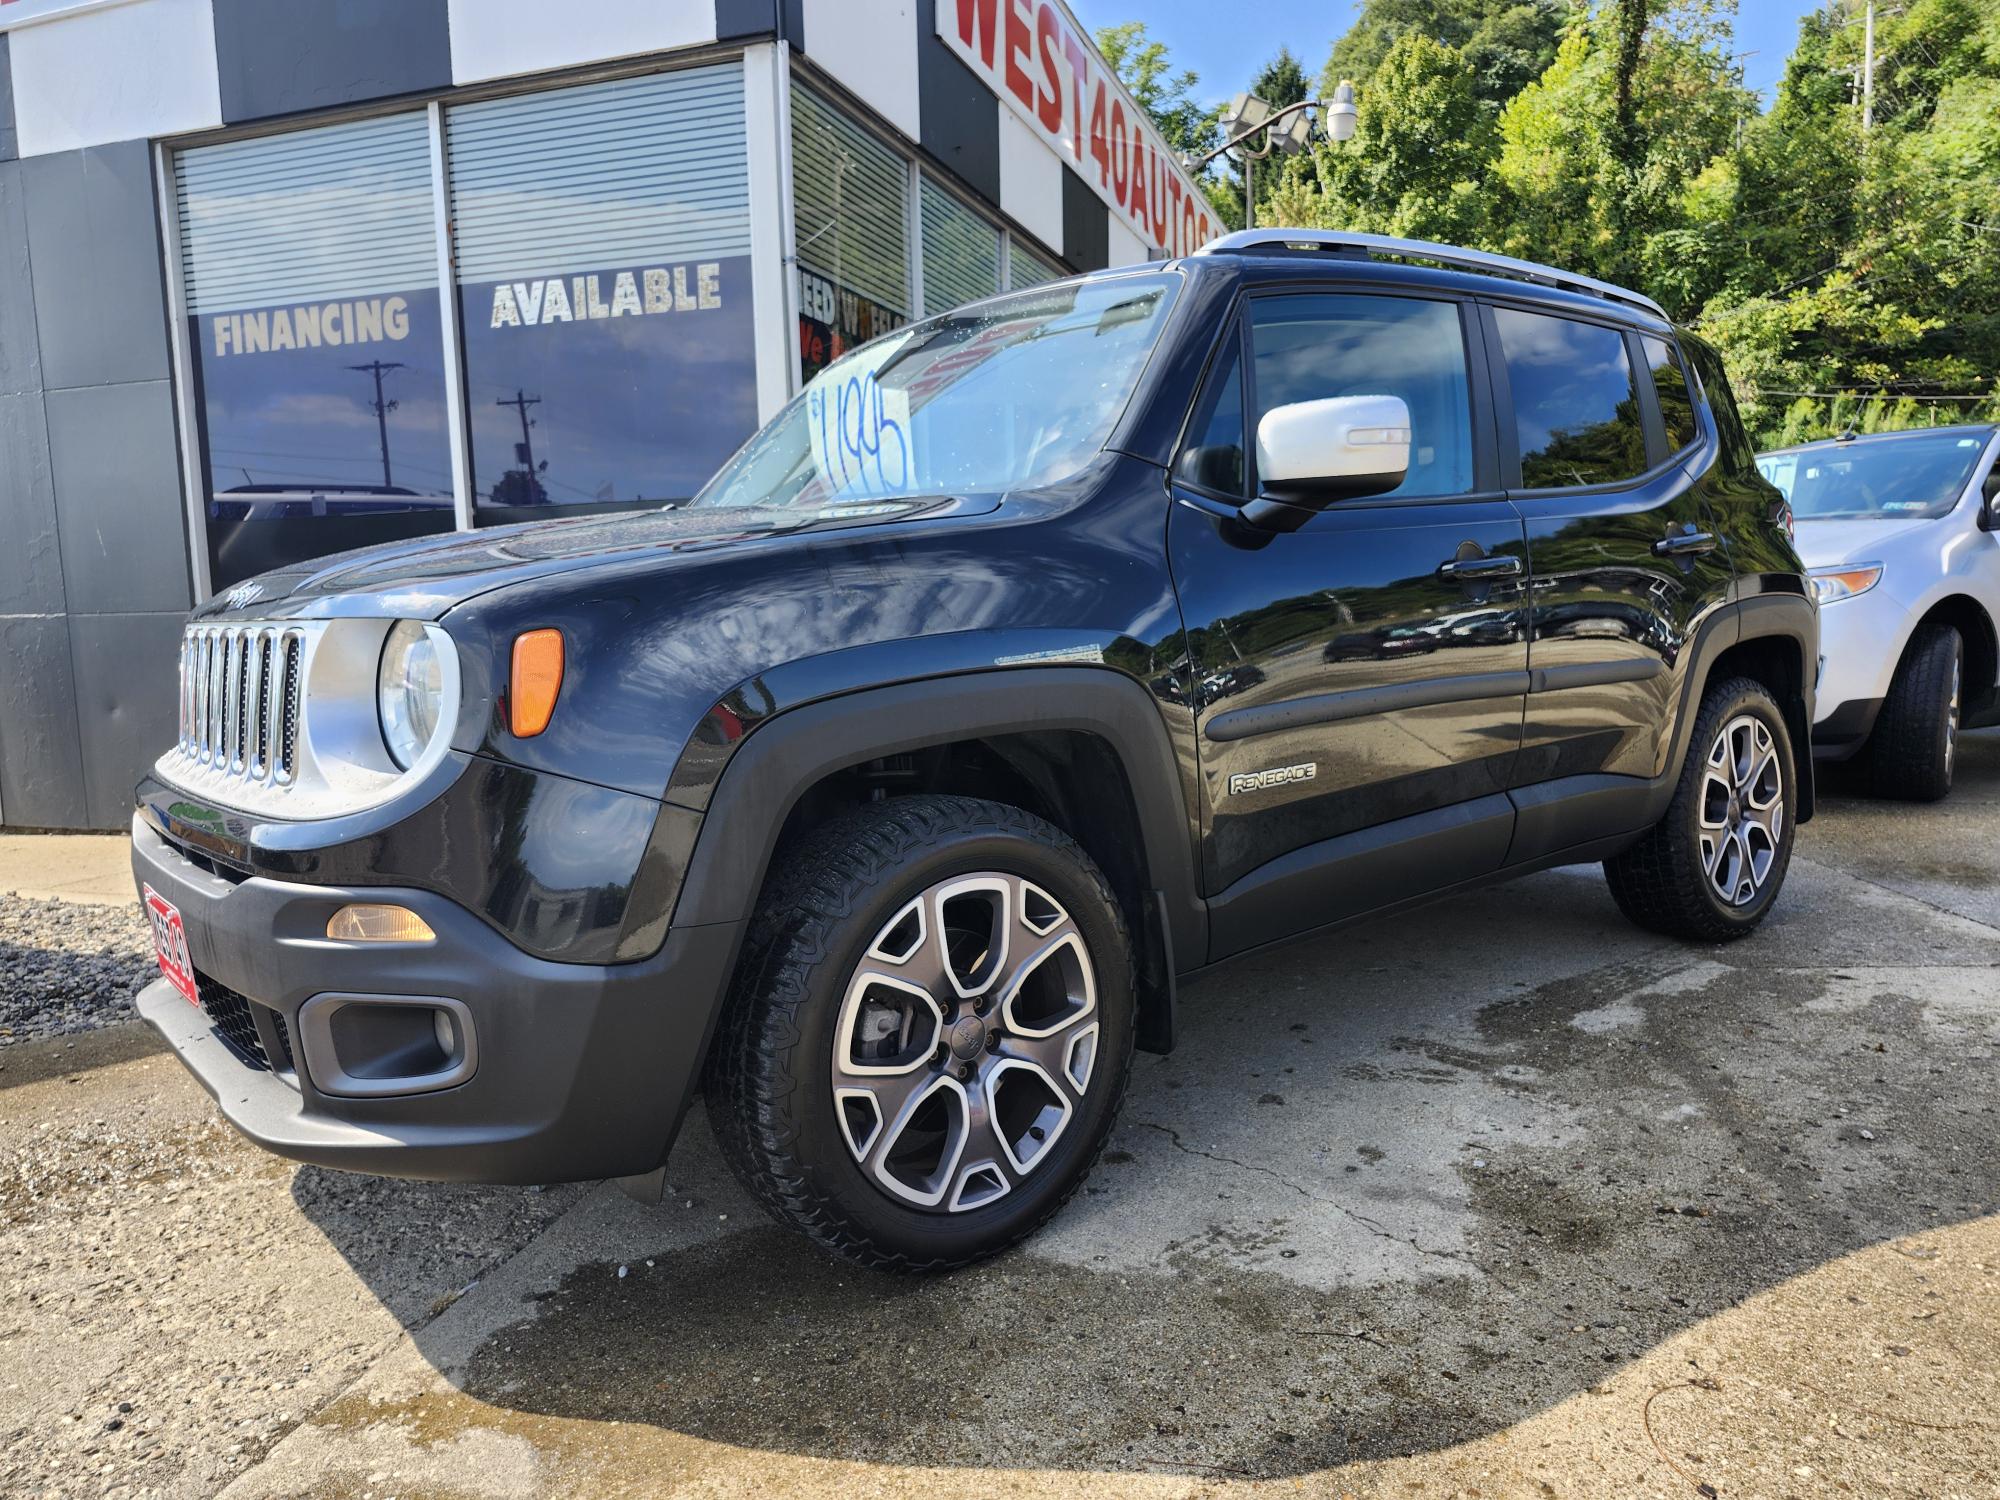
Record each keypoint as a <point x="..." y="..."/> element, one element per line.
<point x="826" y="909"/>
<point x="1913" y="747"/>
<point x="1663" y="882"/>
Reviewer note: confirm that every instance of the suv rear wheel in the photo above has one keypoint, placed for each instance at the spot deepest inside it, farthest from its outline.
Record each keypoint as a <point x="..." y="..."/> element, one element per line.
<point x="930" y="1032"/>
<point x="1915" y="741"/>
<point x="1711" y="867"/>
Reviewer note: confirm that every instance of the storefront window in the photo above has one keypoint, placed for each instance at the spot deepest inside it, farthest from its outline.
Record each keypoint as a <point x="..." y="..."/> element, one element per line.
<point x="602" y="236"/>
<point x="961" y="252"/>
<point x="850" y="197"/>
<point x="310" y="279"/>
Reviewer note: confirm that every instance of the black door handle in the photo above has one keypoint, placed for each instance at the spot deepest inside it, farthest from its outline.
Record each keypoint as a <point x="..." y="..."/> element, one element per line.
<point x="1477" y="569"/>
<point x="1685" y="545"/>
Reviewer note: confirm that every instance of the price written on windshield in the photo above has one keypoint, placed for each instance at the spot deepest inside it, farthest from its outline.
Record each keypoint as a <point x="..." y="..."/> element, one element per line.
<point x="860" y="434"/>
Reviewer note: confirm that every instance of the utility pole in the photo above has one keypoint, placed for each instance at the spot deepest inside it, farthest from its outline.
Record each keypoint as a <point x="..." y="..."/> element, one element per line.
<point x="521" y="402"/>
<point x="378" y="368"/>
<point x="1868" y="71"/>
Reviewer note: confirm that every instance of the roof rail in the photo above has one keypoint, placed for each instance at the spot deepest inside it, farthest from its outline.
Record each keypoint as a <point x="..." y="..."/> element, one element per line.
<point x="1369" y="246"/>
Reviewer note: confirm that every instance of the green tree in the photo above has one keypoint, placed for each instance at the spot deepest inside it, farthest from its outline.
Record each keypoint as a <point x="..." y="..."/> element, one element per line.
<point x="1866" y="287"/>
<point x="1598" y="155"/>
<point x="1413" y="168"/>
<point x="1282" y="80"/>
<point x="1505" y="43"/>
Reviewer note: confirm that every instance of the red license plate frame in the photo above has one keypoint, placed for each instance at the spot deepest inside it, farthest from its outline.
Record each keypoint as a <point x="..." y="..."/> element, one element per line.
<point x="170" y="945"/>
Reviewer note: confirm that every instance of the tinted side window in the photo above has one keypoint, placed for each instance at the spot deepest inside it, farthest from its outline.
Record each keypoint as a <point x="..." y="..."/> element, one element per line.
<point x="1670" y="385"/>
<point x="1738" y="455"/>
<point x="1306" y="348"/>
<point x="1576" y="411"/>
<point x="1214" y="456"/>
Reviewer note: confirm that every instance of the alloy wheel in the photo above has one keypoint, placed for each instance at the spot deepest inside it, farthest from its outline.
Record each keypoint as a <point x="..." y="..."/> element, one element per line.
<point x="1742" y="809"/>
<point x="1951" y="714"/>
<point x="965" y="1043"/>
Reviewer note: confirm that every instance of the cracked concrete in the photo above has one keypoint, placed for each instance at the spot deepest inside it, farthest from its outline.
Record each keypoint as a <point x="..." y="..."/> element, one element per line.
<point x="1501" y="1198"/>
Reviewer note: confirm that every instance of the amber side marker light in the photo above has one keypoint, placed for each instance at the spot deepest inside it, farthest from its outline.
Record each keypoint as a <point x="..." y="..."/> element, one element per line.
<point x="369" y="923"/>
<point x="537" y="678"/>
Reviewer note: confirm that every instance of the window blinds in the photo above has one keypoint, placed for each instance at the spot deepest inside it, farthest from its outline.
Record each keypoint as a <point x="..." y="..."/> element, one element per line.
<point x="654" y="168"/>
<point x="341" y="211"/>
<point x="961" y="252"/>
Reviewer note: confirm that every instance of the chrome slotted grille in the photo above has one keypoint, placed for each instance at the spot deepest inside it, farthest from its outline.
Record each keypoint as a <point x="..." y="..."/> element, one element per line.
<point x="240" y="693"/>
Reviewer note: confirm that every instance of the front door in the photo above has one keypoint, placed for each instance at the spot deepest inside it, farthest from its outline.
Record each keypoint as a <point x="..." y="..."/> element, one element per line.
<point x="1596" y="428"/>
<point x="1369" y="668"/>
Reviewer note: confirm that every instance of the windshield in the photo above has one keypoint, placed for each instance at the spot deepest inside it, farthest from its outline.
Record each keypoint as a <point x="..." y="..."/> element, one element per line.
<point x="1905" y="478"/>
<point x="1010" y="394"/>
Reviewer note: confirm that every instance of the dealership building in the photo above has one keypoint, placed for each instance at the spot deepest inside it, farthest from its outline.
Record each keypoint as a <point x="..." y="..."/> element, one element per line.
<point x="284" y="277"/>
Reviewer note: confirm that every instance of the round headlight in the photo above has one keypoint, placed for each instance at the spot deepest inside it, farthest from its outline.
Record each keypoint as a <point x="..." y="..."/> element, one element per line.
<point x="409" y="692"/>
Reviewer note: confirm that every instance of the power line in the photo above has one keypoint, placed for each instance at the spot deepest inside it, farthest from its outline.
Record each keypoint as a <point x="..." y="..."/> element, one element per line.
<point x="1876" y="396"/>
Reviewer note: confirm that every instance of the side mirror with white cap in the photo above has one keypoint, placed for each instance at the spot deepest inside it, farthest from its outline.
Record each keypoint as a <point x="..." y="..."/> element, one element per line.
<point x="1312" y="454"/>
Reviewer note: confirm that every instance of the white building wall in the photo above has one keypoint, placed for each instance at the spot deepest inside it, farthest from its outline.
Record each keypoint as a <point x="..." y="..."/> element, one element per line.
<point x="871" y="47"/>
<point x="115" y="73"/>
<point x="1126" y="248"/>
<point x="500" y="38"/>
<point x="1031" y="181"/>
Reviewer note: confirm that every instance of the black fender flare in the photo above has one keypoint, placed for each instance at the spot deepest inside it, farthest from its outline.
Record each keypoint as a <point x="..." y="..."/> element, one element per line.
<point x="1776" y="616"/>
<point x="792" y="751"/>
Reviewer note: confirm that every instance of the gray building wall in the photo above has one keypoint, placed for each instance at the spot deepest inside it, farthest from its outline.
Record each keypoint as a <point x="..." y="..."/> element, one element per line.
<point x="92" y="592"/>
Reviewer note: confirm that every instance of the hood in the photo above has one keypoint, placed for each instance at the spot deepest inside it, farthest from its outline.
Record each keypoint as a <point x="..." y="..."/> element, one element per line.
<point x="1825" y="544"/>
<point x="423" y="578"/>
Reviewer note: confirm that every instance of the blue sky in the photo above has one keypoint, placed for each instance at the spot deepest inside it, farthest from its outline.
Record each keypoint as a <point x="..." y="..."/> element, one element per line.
<point x="1227" y="43"/>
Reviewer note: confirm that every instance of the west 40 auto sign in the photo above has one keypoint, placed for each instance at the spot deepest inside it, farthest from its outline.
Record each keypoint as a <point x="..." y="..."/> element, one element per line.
<point x="1037" y="59"/>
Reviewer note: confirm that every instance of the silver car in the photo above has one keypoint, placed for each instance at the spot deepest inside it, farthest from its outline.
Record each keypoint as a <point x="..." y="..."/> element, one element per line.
<point x="1901" y="533"/>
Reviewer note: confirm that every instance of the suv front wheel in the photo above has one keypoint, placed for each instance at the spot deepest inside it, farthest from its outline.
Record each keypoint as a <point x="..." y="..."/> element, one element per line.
<point x="1910" y="753"/>
<point x="930" y="1032"/>
<point x="1711" y="868"/>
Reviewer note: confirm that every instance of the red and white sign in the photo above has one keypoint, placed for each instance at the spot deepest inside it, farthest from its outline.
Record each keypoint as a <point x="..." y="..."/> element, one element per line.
<point x="1041" y="63"/>
<point x="170" y="944"/>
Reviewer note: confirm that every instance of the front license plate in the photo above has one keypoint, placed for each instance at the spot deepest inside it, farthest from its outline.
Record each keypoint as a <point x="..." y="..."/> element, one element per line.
<point x="170" y="945"/>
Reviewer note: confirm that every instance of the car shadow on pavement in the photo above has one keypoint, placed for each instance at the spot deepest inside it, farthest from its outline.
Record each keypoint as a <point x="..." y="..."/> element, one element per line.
<point x="1397" y="1189"/>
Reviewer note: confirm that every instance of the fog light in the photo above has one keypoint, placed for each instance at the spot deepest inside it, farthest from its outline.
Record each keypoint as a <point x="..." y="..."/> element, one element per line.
<point x="446" y="1033"/>
<point x="378" y="924"/>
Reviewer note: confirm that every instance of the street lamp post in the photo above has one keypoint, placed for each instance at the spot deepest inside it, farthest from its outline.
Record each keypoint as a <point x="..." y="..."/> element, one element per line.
<point x="1249" y="117"/>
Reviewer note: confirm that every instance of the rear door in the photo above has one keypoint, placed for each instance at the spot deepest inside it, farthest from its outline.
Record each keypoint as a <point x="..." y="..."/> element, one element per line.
<point x="1625" y="556"/>
<point x="1370" y="667"/>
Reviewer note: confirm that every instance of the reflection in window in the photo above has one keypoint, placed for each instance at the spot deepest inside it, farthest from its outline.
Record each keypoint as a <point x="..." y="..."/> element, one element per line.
<point x="1027" y="267"/>
<point x="1214" y="460"/>
<point x="1308" y="348"/>
<point x="1021" y="393"/>
<point x="603" y="248"/>
<point x="310" y="271"/>
<point x="1670" y="385"/>
<point x="1576" y="412"/>
<point x="850" y="196"/>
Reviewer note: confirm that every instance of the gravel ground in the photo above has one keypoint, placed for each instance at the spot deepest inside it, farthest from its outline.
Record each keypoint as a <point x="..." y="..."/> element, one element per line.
<point x="66" y="968"/>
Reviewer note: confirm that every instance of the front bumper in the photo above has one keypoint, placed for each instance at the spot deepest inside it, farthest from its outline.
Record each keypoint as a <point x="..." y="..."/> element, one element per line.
<point x="1860" y="640"/>
<point x="583" y="1071"/>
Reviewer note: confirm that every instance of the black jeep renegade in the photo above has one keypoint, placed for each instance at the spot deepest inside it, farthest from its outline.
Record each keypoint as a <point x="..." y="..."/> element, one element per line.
<point x="1035" y="658"/>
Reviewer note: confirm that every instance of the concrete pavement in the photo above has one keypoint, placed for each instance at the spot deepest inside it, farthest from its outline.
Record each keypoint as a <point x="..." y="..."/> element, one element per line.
<point x="1501" y="1197"/>
<point x="93" y="868"/>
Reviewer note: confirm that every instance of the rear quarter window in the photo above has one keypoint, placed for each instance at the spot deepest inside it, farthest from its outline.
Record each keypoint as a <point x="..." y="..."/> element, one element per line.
<point x="1671" y="387"/>
<point x="1737" y="454"/>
